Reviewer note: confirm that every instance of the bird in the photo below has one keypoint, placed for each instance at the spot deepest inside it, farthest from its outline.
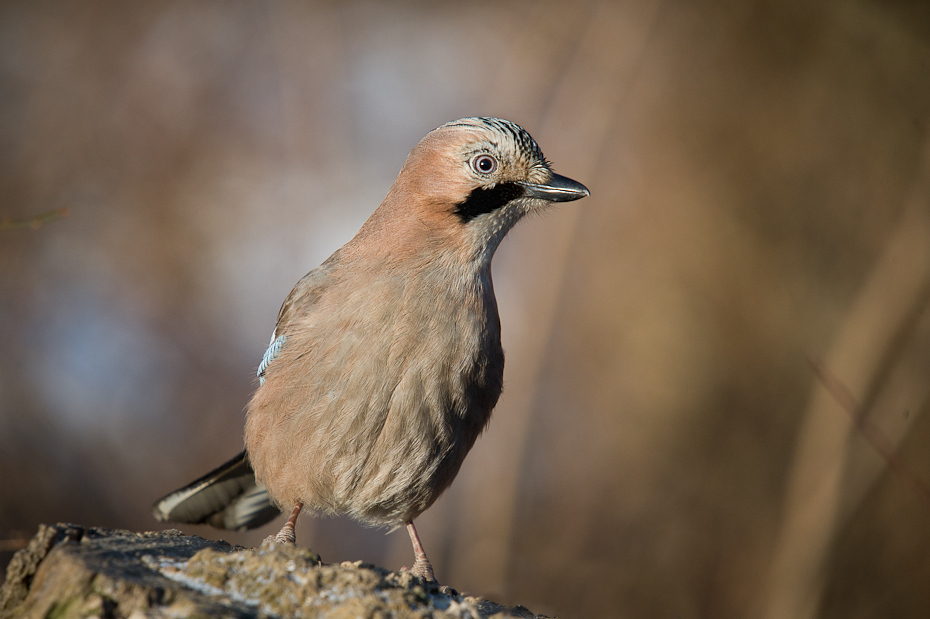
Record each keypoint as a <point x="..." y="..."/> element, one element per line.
<point x="386" y="360"/>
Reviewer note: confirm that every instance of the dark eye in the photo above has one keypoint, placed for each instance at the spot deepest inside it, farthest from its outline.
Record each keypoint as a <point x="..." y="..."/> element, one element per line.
<point x="484" y="164"/>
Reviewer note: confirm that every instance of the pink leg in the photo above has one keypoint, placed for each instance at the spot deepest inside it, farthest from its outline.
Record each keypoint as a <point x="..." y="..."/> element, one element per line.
<point x="286" y="535"/>
<point x="421" y="567"/>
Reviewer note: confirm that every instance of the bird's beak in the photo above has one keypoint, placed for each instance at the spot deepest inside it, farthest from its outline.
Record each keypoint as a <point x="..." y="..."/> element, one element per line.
<point x="558" y="189"/>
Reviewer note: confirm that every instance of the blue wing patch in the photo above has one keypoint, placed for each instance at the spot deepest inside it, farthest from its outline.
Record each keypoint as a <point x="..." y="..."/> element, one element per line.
<point x="273" y="349"/>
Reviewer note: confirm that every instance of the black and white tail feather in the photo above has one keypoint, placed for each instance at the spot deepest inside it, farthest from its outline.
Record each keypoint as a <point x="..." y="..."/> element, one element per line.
<point x="228" y="497"/>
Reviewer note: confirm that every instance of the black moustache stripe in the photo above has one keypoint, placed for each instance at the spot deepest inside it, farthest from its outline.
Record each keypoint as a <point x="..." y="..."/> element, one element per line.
<point x="483" y="200"/>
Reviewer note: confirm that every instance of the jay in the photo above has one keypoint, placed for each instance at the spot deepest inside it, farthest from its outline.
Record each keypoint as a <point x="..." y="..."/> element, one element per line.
<point x="386" y="360"/>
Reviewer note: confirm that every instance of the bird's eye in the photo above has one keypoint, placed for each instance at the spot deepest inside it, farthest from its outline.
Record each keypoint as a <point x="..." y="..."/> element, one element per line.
<point x="484" y="164"/>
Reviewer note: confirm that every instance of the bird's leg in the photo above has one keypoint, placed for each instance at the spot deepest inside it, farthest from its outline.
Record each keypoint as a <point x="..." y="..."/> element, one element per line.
<point x="286" y="535"/>
<point x="421" y="566"/>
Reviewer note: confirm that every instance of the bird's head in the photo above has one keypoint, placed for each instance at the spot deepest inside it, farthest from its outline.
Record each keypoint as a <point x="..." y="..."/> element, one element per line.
<point x="466" y="184"/>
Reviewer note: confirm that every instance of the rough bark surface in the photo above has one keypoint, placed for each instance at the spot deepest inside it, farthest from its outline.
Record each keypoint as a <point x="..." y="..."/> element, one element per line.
<point x="73" y="571"/>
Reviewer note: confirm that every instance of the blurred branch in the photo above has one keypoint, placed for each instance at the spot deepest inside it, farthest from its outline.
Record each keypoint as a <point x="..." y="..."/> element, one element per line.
<point x="820" y="495"/>
<point x="12" y="223"/>
<point x="872" y="433"/>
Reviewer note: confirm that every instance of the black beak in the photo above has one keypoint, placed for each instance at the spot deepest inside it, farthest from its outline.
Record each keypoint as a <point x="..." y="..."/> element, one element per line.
<point x="558" y="189"/>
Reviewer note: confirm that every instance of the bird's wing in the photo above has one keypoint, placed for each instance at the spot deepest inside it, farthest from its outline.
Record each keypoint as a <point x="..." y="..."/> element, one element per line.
<point x="227" y="497"/>
<point x="299" y="301"/>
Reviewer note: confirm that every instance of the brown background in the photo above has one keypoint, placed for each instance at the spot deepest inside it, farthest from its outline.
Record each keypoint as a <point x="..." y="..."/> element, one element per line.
<point x="760" y="175"/>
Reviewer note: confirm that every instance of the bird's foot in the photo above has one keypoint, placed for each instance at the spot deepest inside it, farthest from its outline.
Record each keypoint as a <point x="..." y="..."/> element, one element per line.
<point x="423" y="569"/>
<point x="421" y="566"/>
<point x="287" y="535"/>
<point x="431" y="582"/>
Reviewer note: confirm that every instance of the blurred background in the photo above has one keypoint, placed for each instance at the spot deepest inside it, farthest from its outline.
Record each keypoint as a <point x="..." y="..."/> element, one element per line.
<point x="718" y="364"/>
